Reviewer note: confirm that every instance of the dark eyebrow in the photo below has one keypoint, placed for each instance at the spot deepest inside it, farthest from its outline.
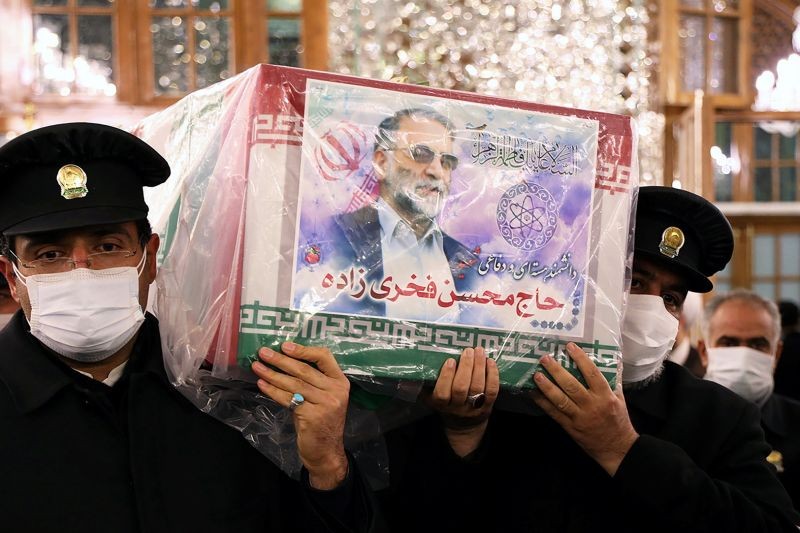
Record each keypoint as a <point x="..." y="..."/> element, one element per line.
<point x="742" y="340"/>
<point x="644" y="272"/>
<point x="37" y="239"/>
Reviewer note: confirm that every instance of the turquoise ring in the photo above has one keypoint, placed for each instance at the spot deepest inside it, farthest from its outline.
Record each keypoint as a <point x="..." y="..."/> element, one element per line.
<point x="297" y="400"/>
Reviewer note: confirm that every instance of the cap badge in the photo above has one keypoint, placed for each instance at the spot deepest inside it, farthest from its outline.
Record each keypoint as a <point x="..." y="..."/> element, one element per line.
<point x="72" y="179"/>
<point x="672" y="241"/>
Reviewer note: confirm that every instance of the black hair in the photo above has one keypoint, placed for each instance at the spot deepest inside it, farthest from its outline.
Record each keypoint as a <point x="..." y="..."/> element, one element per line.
<point x="385" y="139"/>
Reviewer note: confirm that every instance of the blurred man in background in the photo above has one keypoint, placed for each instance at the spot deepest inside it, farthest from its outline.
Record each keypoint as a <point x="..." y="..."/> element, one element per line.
<point x="787" y="373"/>
<point x="685" y="352"/>
<point x="740" y="349"/>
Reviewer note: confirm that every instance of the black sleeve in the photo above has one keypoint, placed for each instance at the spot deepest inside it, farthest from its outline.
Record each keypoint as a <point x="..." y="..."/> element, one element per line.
<point x="350" y="507"/>
<point x="428" y="480"/>
<point x="739" y="493"/>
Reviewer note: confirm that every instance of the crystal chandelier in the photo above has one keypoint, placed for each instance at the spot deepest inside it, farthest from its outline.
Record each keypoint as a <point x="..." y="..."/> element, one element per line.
<point x="781" y="93"/>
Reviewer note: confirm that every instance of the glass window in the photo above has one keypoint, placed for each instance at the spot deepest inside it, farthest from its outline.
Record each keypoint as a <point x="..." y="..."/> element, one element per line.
<point x="73" y="48"/>
<point x="170" y="56"/>
<point x="763" y="184"/>
<point x="787" y="146"/>
<point x="790" y="254"/>
<point x="763" y="144"/>
<point x="284" y="41"/>
<point x="764" y="255"/>
<point x="288" y="6"/>
<point x="724" y="42"/>
<point x="722" y="286"/>
<point x="52" y="54"/>
<point x="788" y="177"/>
<point x="192" y="47"/>
<point x="723" y="186"/>
<point x="94" y="65"/>
<point x="212" y="51"/>
<point x="723" y="131"/>
<point x="161" y="4"/>
<point x="693" y="52"/>
<point x="189" y="44"/>
<point x="790" y="290"/>
<point x="212" y="5"/>
<point x="708" y="44"/>
<point x="765" y="289"/>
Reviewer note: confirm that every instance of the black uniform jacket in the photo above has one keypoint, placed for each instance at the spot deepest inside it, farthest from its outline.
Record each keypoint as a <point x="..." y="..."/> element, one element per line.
<point x="698" y="466"/>
<point x="780" y="418"/>
<point x="79" y="456"/>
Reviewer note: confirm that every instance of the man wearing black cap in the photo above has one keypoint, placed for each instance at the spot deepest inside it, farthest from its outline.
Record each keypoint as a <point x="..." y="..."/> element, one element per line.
<point x="92" y="435"/>
<point x="672" y="453"/>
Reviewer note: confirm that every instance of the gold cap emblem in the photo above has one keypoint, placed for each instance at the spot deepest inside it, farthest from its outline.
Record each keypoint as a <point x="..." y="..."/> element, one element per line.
<point x="775" y="458"/>
<point x="72" y="180"/>
<point x="671" y="242"/>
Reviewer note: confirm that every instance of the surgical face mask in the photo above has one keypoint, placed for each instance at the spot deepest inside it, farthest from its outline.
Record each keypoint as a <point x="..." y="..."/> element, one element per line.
<point x="745" y="371"/>
<point x="5" y="318"/>
<point x="85" y="315"/>
<point x="648" y="333"/>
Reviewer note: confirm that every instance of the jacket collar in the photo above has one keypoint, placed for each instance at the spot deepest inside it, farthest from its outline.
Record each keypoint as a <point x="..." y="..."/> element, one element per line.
<point x="652" y="400"/>
<point x="33" y="375"/>
<point x="772" y="415"/>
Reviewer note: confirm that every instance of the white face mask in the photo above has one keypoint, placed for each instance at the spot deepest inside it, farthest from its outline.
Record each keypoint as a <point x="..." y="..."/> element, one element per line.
<point x="745" y="371"/>
<point x="648" y="333"/>
<point x="85" y="315"/>
<point x="5" y="318"/>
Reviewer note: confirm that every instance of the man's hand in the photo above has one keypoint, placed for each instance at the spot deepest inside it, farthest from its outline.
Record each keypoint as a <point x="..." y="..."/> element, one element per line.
<point x="319" y="420"/>
<point x="465" y="420"/>
<point x="596" y="418"/>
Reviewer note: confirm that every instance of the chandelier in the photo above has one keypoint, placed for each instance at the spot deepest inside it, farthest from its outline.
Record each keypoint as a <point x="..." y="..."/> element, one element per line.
<point x="781" y="93"/>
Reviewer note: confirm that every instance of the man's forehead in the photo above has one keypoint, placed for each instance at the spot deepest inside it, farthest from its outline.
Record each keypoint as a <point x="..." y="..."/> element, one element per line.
<point x="96" y="230"/>
<point x="742" y="311"/>
<point x="422" y="128"/>
<point x="659" y="271"/>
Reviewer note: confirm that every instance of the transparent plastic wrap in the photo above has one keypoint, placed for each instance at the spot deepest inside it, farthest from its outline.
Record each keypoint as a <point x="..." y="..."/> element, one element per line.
<point x="394" y="224"/>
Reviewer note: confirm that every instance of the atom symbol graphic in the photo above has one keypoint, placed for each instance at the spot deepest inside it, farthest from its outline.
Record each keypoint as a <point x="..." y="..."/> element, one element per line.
<point x="527" y="216"/>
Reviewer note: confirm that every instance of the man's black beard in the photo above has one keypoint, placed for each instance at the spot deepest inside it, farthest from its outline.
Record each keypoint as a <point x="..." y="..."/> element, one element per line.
<point x="652" y="378"/>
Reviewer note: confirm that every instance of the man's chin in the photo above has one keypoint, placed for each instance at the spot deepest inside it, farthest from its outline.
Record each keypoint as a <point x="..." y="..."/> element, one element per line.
<point x="422" y="208"/>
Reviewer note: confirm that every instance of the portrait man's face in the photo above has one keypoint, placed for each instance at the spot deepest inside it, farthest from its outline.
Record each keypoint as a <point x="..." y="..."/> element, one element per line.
<point x="415" y="173"/>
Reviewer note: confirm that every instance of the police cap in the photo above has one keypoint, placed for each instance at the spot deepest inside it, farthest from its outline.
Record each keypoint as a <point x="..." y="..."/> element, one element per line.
<point x="684" y="232"/>
<point x="73" y="175"/>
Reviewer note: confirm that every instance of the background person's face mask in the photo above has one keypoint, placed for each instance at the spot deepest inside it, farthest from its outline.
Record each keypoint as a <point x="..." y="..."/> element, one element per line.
<point x="648" y="333"/>
<point x="85" y="315"/>
<point x="745" y="371"/>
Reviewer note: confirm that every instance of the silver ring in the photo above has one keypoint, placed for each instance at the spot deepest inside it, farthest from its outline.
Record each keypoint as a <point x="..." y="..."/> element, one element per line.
<point x="477" y="400"/>
<point x="297" y="400"/>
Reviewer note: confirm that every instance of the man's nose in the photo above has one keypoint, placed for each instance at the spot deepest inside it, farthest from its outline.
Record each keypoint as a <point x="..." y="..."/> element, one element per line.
<point x="435" y="168"/>
<point x="80" y="256"/>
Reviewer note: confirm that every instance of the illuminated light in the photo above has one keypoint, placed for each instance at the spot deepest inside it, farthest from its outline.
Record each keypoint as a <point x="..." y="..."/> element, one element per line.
<point x="781" y="92"/>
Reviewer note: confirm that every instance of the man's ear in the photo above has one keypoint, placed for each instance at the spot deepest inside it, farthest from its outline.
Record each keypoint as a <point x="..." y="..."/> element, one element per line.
<point x="701" y="349"/>
<point x="8" y="271"/>
<point x="379" y="163"/>
<point x="150" y="268"/>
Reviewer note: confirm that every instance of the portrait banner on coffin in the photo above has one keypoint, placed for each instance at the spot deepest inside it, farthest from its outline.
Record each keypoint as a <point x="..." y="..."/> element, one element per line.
<point x="394" y="224"/>
<point x="398" y="225"/>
